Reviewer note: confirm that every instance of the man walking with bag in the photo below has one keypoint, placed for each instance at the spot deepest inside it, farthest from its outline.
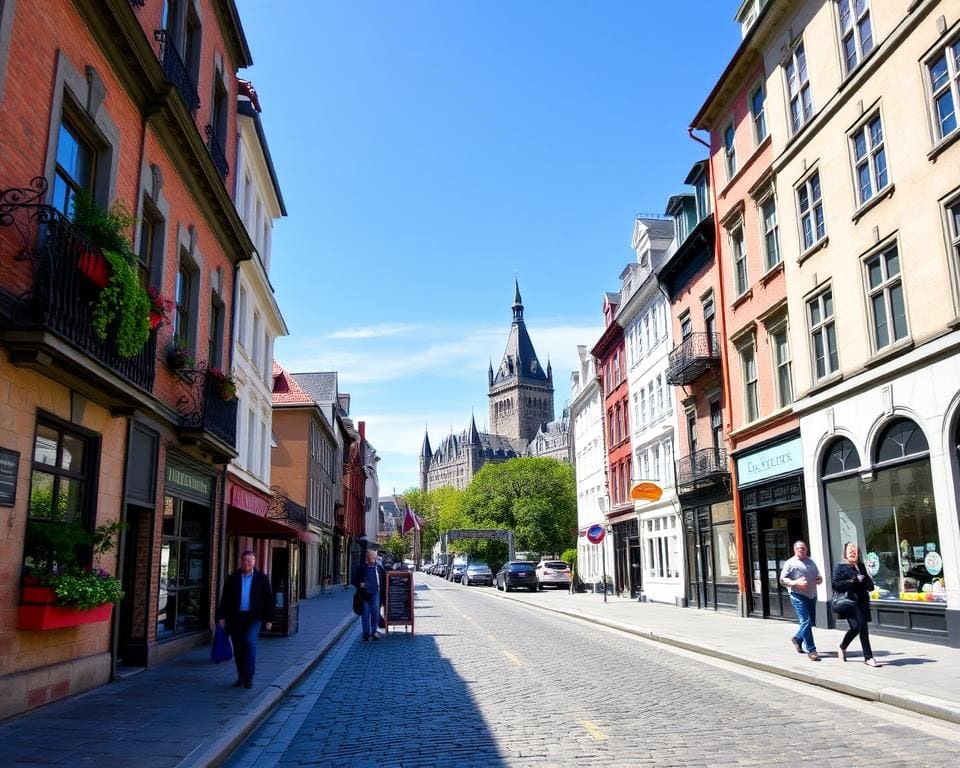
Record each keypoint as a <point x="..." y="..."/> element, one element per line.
<point x="369" y="579"/>
<point x="245" y="604"/>
<point x="801" y="575"/>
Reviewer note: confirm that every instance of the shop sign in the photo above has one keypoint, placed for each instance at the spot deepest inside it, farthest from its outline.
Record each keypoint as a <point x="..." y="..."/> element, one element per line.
<point x="777" y="460"/>
<point x="248" y="501"/>
<point x="182" y="479"/>
<point x="646" y="491"/>
<point x="933" y="563"/>
<point x="9" y="464"/>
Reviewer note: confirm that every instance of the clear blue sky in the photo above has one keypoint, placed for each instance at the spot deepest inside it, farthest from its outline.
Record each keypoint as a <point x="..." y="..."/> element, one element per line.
<point x="428" y="150"/>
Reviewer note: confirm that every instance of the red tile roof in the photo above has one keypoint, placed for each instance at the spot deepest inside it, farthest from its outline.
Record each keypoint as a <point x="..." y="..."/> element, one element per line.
<point x="286" y="391"/>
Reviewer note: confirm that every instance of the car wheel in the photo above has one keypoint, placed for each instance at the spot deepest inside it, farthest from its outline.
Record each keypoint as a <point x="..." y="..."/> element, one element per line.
<point x="533" y="589"/>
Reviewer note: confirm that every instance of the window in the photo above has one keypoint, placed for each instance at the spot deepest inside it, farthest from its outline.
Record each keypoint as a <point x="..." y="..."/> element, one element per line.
<point x="181" y="317"/>
<point x="783" y="366"/>
<point x="643" y="406"/>
<point x="655" y="461"/>
<point x="856" y="35"/>
<point x="74" y="170"/>
<point x="242" y="317"/>
<point x="748" y="367"/>
<point x="823" y="335"/>
<point x="692" y="431"/>
<point x="944" y="71"/>
<point x="739" y="261"/>
<point x="709" y="316"/>
<point x="616" y="369"/>
<point x="885" y="294"/>
<point x="953" y="226"/>
<point x="151" y="242"/>
<point x="757" y="103"/>
<point x="869" y="159"/>
<point x="730" y="151"/>
<point x="686" y="326"/>
<point x="798" y="89"/>
<point x="215" y="333"/>
<point x="251" y="441"/>
<point x="267" y="370"/>
<point x="771" y="232"/>
<point x="653" y="413"/>
<point x="60" y="476"/>
<point x="812" y="223"/>
<point x="256" y="340"/>
<point x="182" y="603"/>
<point x="636" y="409"/>
<point x="659" y="388"/>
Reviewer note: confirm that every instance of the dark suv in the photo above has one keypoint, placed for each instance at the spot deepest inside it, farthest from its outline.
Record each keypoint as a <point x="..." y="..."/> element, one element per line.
<point x="517" y="573"/>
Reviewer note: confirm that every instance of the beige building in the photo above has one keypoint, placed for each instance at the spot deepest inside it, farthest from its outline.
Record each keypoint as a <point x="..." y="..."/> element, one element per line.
<point x="863" y="99"/>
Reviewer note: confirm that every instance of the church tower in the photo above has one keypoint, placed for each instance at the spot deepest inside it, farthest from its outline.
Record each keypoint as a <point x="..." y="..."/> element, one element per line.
<point x="520" y="390"/>
<point x="426" y="454"/>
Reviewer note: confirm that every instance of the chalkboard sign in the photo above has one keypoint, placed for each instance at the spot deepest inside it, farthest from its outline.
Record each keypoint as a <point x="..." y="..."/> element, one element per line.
<point x="399" y="603"/>
<point x="9" y="467"/>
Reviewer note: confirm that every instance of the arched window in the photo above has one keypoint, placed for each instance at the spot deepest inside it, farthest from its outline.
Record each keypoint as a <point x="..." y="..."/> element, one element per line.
<point x="842" y="457"/>
<point x="901" y="438"/>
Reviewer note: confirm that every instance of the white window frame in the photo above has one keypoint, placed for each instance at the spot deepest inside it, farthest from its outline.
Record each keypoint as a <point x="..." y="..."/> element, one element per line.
<point x="751" y="381"/>
<point x="948" y="85"/>
<point x="883" y="291"/>
<point x="730" y="150"/>
<point x="741" y="278"/>
<point x="813" y="209"/>
<point x="820" y="334"/>
<point x="782" y="366"/>
<point x="759" y="119"/>
<point x="770" y="261"/>
<point x="873" y="159"/>
<point x="854" y="32"/>
<point x="951" y="210"/>
<point x="799" y="94"/>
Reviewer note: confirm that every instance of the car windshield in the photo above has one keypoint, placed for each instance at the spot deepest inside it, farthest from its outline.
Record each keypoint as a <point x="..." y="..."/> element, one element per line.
<point x="481" y="568"/>
<point x="519" y="567"/>
<point x="551" y="564"/>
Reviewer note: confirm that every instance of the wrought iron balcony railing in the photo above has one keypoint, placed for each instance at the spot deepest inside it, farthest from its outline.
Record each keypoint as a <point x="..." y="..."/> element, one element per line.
<point x="705" y="464"/>
<point x="51" y="292"/>
<point x="282" y="507"/>
<point x="217" y="154"/>
<point x="693" y="357"/>
<point x="176" y="71"/>
<point x="204" y="408"/>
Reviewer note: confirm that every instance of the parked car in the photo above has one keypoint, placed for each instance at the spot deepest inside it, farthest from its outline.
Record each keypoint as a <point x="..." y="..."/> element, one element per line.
<point x="553" y="573"/>
<point x="477" y="573"/>
<point x="440" y="569"/>
<point x="456" y="571"/>
<point x="517" y="574"/>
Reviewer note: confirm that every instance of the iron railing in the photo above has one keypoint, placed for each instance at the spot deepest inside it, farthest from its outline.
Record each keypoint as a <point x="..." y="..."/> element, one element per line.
<point x="704" y="464"/>
<point x="217" y="154"/>
<point x="204" y="408"/>
<point x="58" y="297"/>
<point x="693" y="357"/>
<point x="176" y="71"/>
<point x="282" y="507"/>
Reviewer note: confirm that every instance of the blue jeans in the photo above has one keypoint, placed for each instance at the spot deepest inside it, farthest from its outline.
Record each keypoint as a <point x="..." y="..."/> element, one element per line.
<point x="244" y="639"/>
<point x="806" y="610"/>
<point x="371" y="614"/>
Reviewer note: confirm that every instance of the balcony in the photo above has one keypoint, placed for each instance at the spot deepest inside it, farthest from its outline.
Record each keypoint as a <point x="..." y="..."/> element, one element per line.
<point x="217" y="154"/>
<point x="207" y="419"/>
<point x="176" y="71"/>
<point x="286" y="510"/>
<point x="702" y="470"/>
<point x="45" y="305"/>
<point x="693" y="357"/>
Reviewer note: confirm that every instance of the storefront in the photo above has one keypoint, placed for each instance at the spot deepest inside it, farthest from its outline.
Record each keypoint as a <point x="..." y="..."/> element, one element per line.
<point x="628" y="570"/>
<point x="711" y="549"/>
<point x="770" y="484"/>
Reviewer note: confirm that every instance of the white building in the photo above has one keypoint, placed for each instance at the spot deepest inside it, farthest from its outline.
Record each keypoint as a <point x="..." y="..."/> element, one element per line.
<point x="590" y="461"/>
<point x="644" y="314"/>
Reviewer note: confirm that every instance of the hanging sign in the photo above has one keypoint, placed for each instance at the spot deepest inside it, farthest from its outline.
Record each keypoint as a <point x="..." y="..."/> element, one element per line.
<point x="646" y="491"/>
<point x="9" y="464"/>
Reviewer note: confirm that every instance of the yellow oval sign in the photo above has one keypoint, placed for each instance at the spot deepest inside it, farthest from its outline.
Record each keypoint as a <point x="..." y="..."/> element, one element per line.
<point x="646" y="492"/>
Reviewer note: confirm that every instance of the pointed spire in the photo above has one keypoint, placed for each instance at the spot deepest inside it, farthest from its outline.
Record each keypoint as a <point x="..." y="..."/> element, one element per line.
<point x="473" y="438"/>
<point x="549" y="370"/>
<point x="490" y="373"/>
<point x="425" y="450"/>
<point x="517" y="302"/>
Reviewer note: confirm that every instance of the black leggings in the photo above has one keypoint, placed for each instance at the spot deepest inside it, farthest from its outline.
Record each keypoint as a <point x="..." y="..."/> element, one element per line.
<point x="858" y="626"/>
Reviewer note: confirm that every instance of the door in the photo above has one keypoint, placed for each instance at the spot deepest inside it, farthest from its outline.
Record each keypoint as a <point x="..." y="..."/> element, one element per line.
<point x="705" y="533"/>
<point x="279" y="582"/>
<point x="636" y="567"/>
<point x="776" y="552"/>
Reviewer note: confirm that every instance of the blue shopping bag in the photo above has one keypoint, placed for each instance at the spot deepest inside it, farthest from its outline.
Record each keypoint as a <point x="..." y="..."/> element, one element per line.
<point x="221" y="649"/>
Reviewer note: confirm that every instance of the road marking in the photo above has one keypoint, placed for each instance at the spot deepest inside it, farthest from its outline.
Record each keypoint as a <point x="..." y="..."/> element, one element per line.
<point x="593" y="730"/>
<point x="512" y="658"/>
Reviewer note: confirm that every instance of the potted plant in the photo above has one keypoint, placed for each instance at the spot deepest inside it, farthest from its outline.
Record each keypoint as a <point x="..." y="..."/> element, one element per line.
<point x="224" y="383"/>
<point x="59" y="589"/>
<point x="122" y="306"/>
<point x="160" y="306"/>
<point x="180" y="357"/>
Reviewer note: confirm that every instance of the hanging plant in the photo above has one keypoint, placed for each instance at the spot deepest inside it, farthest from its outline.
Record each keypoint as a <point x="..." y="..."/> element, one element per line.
<point x="124" y="303"/>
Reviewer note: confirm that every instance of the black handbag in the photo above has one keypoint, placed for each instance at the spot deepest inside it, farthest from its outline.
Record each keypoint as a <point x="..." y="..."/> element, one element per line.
<point x="841" y="604"/>
<point x="358" y="599"/>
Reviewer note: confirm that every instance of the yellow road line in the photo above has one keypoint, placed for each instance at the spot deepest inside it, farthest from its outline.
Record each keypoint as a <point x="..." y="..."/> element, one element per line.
<point x="593" y="730"/>
<point x="512" y="658"/>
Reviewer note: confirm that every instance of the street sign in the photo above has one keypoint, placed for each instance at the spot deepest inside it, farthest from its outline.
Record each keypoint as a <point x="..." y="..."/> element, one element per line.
<point x="595" y="534"/>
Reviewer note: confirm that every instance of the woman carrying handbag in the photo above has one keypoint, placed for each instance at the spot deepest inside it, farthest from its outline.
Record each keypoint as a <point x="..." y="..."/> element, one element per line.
<point x="851" y="601"/>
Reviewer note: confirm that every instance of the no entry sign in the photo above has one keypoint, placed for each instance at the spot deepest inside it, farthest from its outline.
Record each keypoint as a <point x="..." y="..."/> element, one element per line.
<point x="595" y="534"/>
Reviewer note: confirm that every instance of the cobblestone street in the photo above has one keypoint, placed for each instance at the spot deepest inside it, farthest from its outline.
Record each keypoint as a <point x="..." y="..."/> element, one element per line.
<point x="484" y="682"/>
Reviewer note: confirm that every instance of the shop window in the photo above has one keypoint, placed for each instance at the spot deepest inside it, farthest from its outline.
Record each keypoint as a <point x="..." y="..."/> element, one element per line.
<point x="900" y="439"/>
<point x="59" y="509"/>
<point x="724" y="543"/>
<point x="182" y="604"/>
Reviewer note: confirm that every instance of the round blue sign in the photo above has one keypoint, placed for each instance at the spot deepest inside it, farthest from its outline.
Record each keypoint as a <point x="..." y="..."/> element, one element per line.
<point x="595" y="534"/>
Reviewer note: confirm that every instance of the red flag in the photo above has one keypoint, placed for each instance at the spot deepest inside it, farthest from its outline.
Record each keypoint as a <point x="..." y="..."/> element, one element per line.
<point x="409" y="522"/>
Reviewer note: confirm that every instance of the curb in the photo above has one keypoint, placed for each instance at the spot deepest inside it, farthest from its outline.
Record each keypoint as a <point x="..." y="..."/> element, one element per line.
<point x="931" y="706"/>
<point x="216" y="749"/>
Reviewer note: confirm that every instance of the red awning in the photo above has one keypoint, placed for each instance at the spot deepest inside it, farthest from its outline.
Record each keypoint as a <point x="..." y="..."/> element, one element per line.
<point x="247" y="499"/>
<point x="241" y="523"/>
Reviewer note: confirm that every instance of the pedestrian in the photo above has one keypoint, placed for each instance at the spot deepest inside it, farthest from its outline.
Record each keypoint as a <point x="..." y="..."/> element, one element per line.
<point x="851" y="601"/>
<point x="801" y="575"/>
<point x="369" y="578"/>
<point x="246" y="604"/>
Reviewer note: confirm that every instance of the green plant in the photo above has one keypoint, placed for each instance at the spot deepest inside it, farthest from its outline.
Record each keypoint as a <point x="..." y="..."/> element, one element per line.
<point x="86" y="589"/>
<point x="224" y="382"/>
<point x="180" y="356"/>
<point x="124" y="301"/>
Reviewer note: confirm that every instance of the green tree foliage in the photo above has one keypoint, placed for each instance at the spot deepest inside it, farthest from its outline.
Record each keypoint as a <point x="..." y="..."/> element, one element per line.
<point x="398" y="546"/>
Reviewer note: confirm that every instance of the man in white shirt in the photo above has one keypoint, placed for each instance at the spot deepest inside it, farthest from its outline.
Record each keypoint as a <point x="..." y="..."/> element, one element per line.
<point x="801" y="575"/>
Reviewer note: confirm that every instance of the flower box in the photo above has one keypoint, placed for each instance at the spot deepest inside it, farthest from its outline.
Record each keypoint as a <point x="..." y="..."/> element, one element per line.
<point x="42" y="617"/>
<point x="155" y="319"/>
<point x="94" y="265"/>
<point x="33" y="594"/>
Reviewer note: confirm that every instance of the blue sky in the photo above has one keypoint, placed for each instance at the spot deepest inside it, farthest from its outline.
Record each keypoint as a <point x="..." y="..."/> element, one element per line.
<point x="428" y="150"/>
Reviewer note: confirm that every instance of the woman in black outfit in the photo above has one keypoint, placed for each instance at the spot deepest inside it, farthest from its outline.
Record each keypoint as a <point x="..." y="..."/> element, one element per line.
<point x="851" y="601"/>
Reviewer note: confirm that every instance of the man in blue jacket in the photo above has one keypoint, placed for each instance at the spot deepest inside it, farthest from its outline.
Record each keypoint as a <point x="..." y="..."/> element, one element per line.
<point x="245" y="604"/>
<point x="369" y="578"/>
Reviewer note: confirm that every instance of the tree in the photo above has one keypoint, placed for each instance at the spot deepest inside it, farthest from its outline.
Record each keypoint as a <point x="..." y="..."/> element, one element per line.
<point x="534" y="497"/>
<point x="398" y="547"/>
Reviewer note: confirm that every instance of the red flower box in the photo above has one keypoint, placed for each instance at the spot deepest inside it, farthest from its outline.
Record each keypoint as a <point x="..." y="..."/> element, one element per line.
<point x="38" y="611"/>
<point x="42" y="617"/>
<point x="95" y="267"/>
<point x="155" y="319"/>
